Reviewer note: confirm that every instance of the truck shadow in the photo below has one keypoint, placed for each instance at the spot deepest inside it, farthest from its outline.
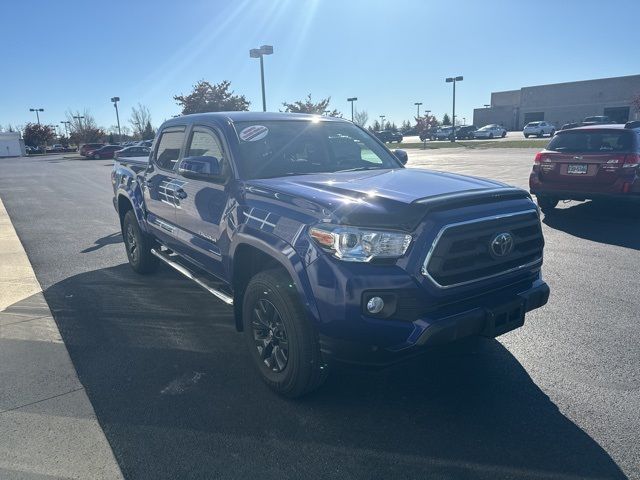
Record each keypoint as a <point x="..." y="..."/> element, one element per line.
<point x="175" y="392"/>
<point x="603" y="222"/>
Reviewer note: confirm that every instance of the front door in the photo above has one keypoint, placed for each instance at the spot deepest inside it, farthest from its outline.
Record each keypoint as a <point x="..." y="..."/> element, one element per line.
<point x="201" y="205"/>
<point x="161" y="185"/>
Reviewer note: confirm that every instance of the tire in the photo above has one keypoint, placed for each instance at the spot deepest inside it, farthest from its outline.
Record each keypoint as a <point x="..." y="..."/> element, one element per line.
<point x="526" y="135"/>
<point x="491" y="136"/>
<point x="504" y="134"/>
<point x="552" y="133"/>
<point x="272" y="312"/>
<point x="547" y="204"/>
<point x="138" y="245"/>
<point x="95" y="157"/>
<point x="541" y="134"/>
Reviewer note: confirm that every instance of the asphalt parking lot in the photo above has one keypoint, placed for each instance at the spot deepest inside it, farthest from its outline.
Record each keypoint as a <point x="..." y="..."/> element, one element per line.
<point x="176" y="395"/>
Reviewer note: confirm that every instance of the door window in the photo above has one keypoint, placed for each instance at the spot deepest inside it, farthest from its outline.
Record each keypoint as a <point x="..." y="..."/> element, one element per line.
<point x="204" y="142"/>
<point x="169" y="148"/>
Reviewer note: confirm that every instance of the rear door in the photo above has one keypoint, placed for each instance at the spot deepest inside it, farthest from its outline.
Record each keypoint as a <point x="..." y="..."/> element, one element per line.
<point x="201" y="204"/>
<point x="593" y="157"/>
<point x="162" y="182"/>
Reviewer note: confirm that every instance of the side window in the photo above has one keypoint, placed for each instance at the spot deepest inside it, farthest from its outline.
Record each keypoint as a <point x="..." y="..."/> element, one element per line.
<point x="169" y="148"/>
<point x="206" y="143"/>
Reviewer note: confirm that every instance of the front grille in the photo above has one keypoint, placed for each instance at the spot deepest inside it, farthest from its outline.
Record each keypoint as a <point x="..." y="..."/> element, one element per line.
<point x="462" y="252"/>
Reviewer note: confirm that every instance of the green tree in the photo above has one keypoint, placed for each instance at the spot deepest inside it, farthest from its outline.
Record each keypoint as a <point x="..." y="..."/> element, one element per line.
<point x="206" y="97"/>
<point x="392" y="126"/>
<point x="376" y="126"/>
<point x="309" y="106"/>
<point x="37" y="135"/>
<point x="148" y="133"/>
<point x="446" y="120"/>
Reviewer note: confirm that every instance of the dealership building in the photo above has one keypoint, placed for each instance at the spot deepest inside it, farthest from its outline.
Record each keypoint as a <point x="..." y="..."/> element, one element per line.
<point x="11" y="145"/>
<point x="561" y="103"/>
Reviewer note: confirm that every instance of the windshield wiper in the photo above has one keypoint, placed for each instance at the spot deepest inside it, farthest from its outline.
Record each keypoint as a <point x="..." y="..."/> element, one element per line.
<point x="357" y="169"/>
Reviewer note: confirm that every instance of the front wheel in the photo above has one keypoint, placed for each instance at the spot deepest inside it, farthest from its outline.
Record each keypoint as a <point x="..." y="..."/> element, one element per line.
<point x="504" y="134"/>
<point x="281" y="340"/>
<point x="552" y="133"/>
<point x="547" y="204"/>
<point x="491" y="136"/>
<point x="138" y="245"/>
<point x="526" y="135"/>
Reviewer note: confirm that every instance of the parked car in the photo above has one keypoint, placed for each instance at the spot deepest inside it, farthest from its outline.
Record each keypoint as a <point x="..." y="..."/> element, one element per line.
<point x="387" y="136"/>
<point x="539" y="129"/>
<point x="325" y="245"/>
<point x="89" y="147"/>
<point x="593" y="162"/>
<point x="490" y="131"/>
<point x="597" y="120"/>
<point x="57" y="147"/>
<point x="132" y="152"/>
<point x="567" y="126"/>
<point x="441" y="133"/>
<point x="465" y="132"/>
<point x="106" y="151"/>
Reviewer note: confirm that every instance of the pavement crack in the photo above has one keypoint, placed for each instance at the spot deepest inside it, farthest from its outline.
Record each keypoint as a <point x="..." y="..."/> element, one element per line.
<point x="41" y="400"/>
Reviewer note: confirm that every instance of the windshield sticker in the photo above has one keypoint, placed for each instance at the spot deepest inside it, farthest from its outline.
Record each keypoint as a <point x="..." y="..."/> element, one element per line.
<point x="254" y="133"/>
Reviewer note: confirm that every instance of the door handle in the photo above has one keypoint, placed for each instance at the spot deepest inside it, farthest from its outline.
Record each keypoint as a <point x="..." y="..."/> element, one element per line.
<point x="181" y="194"/>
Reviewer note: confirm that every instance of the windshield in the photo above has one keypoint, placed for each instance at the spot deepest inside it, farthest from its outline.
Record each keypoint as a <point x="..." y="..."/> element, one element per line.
<point x="533" y="124"/>
<point x="592" y="141"/>
<point x="293" y="147"/>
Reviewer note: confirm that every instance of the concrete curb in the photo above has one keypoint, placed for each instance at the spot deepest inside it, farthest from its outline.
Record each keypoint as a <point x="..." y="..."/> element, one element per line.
<point x="47" y="424"/>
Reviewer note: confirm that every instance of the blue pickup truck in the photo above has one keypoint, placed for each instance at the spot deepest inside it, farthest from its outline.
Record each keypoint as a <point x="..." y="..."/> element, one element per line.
<point x="326" y="246"/>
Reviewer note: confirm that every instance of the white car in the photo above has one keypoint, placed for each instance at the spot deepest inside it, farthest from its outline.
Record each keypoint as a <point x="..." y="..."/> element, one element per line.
<point x="490" y="131"/>
<point x="539" y="129"/>
<point x="442" y="133"/>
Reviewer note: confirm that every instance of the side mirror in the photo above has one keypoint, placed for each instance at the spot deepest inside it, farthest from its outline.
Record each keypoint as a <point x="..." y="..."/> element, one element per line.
<point x="402" y="156"/>
<point x="200" y="168"/>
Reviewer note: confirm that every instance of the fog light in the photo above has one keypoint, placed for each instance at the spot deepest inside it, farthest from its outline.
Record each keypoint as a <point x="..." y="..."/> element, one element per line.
<point x="375" y="305"/>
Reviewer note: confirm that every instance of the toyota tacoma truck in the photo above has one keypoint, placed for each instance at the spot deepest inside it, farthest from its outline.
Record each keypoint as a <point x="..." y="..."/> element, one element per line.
<point x="328" y="249"/>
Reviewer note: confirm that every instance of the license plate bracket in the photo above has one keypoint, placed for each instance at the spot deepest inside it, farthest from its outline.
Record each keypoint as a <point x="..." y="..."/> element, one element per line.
<point x="577" y="169"/>
<point x="504" y="318"/>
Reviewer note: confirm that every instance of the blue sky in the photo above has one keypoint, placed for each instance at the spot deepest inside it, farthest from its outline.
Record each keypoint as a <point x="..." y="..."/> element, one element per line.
<point x="77" y="54"/>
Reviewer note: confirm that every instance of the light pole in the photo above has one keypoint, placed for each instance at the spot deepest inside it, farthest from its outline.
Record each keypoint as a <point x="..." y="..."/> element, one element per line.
<point x="260" y="53"/>
<point x="115" y="101"/>
<point x="453" y="119"/>
<point x="37" y="114"/>
<point x="464" y="120"/>
<point x="382" y="117"/>
<point x="352" y="99"/>
<point x="417" y="104"/>
<point x="487" y="105"/>
<point x="66" y="126"/>
<point x="79" y="118"/>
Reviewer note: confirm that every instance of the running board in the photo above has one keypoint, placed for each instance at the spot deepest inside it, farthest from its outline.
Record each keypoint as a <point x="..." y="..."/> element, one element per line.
<point x="192" y="276"/>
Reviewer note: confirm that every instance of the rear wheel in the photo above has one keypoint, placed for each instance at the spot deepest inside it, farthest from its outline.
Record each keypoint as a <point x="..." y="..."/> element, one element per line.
<point x="541" y="134"/>
<point x="547" y="204"/>
<point x="281" y="340"/>
<point x="138" y="245"/>
<point x="526" y="135"/>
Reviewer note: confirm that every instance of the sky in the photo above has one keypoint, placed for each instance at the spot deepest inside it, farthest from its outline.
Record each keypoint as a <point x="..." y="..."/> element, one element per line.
<point x="77" y="54"/>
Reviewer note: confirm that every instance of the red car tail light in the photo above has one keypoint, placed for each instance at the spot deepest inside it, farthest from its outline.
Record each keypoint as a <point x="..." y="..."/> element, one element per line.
<point x="540" y="157"/>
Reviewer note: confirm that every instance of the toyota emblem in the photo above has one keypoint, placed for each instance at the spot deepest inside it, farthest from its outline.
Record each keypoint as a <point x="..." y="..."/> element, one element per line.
<point x="501" y="245"/>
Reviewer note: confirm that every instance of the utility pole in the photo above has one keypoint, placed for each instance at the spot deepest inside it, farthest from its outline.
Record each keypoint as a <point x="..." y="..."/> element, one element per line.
<point x="260" y="53"/>
<point x="453" y="119"/>
<point x="37" y="114"/>
<point x="352" y="99"/>
<point x="115" y="101"/>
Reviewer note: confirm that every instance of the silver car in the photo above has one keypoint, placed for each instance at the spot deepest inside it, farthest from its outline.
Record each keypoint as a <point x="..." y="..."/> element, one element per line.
<point x="490" y="131"/>
<point x="539" y="129"/>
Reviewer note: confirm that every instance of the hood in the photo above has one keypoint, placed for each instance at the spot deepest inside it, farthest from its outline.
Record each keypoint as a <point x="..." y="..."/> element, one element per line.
<point x="396" y="197"/>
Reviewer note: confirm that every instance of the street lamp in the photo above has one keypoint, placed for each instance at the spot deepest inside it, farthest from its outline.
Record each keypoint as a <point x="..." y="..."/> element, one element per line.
<point x="453" y="120"/>
<point x="382" y="117"/>
<point x="487" y="105"/>
<point x="417" y="104"/>
<point x="66" y="126"/>
<point x="352" y="99"/>
<point x="260" y="53"/>
<point x="37" y="114"/>
<point x="464" y="120"/>
<point x="115" y="101"/>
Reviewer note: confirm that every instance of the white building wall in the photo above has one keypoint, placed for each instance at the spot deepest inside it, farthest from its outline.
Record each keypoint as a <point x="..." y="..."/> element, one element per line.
<point x="11" y="144"/>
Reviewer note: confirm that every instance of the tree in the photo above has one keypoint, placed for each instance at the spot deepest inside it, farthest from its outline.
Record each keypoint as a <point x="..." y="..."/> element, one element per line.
<point x="139" y="118"/>
<point x="376" y="126"/>
<point x="446" y="120"/>
<point x="148" y="133"/>
<point x="406" y="126"/>
<point x="37" y="135"/>
<point x="360" y="117"/>
<point x="206" y="97"/>
<point x="392" y="126"/>
<point x="84" y="130"/>
<point x="308" y="106"/>
<point x="425" y="124"/>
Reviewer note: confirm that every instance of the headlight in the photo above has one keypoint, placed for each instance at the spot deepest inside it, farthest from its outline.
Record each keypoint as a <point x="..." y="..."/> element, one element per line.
<point x="353" y="244"/>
